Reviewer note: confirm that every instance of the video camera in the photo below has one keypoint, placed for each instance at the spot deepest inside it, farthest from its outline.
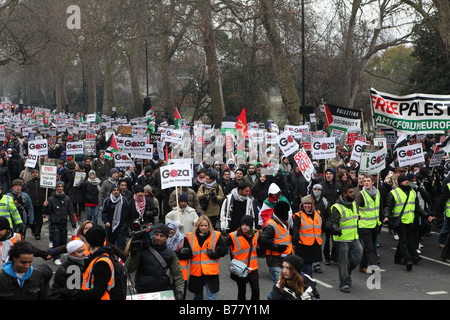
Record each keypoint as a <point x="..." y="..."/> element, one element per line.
<point x="139" y="229"/>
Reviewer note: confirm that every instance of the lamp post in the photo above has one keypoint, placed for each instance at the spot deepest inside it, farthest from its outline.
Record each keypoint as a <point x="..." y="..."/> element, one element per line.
<point x="303" y="61"/>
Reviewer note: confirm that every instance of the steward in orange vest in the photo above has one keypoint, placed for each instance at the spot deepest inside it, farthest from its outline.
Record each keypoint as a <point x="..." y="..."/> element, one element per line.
<point x="207" y="248"/>
<point x="307" y="234"/>
<point x="275" y="238"/>
<point x="98" y="277"/>
<point x="243" y="243"/>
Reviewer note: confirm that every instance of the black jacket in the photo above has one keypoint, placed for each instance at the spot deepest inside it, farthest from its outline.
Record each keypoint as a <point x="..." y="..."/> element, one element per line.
<point x="59" y="207"/>
<point x="36" y="193"/>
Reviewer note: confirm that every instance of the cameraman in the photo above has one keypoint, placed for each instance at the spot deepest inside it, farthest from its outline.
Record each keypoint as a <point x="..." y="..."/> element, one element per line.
<point x="157" y="267"/>
<point x="210" y="195"/>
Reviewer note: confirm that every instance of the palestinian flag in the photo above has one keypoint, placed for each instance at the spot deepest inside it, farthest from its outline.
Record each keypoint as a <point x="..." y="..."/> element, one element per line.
<point x="240" y="149"/>
<point x="177" y="119"/>
<point x="342" y="118"/>
<point x="267" y="208"/>
<point x="82" y="117"/>
<point x="444" y="145"/>
<point x="111" y="147"/>
<point x="150" y="115"/>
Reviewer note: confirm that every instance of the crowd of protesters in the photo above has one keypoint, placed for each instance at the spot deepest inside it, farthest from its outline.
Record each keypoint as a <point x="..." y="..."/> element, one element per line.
<point x="246" y="211"/>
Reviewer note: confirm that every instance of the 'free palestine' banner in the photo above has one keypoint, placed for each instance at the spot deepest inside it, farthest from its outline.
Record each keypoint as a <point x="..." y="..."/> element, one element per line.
<point x="414" y="113"/>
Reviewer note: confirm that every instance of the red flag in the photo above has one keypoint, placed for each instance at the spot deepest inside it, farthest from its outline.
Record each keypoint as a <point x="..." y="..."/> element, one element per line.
<point x="241" y="124"/>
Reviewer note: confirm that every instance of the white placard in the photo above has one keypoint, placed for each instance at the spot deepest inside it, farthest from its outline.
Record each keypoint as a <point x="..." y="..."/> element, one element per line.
<point x="39" y="147"/>
<point x="324" y="148"/>
<point x="176" y="175"/>
<point x="287" y="143"/>
<point x="76" y="147"/>
<point x="48" y="177"/>
<point x="409" y="155"/>
<point x="123" y="160"/>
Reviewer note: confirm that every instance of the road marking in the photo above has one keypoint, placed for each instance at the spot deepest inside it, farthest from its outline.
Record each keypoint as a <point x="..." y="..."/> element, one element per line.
<point x="433" y="293"/>
<point x="431" y="259"/>
<point x="326" y="285"/>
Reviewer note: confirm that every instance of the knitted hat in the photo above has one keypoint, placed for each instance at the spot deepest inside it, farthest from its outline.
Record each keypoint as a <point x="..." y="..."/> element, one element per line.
<point x="296" y="261"/>
<point x="248" y="220"/>
<point x="401" y="178"/>
<point x="74" y="245"/>
<point x="96" y="236"/>
<point x="4" y="223"/>
<point x="307" y="199"/>
<point x="182" y="198"/>
<point x="163" y="229"/>
<point x="113" y="170"/>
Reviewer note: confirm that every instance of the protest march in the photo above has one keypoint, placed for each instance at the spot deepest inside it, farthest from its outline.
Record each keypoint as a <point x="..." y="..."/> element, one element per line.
<point x="301" y="194"/>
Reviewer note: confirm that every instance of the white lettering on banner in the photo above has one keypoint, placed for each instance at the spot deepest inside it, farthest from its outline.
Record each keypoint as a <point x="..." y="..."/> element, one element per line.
<point x="176" y="175"/>
<point x="409" y="155"/>
<point x="305" y="164"/>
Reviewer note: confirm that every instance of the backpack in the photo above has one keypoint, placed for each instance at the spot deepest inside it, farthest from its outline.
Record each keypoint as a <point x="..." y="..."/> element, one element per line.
<point x="119" y="291"/>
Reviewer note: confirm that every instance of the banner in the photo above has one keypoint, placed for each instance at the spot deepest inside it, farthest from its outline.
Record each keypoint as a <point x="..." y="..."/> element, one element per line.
<point x="48" y="173"/>
<point x="414" y="113"/>
<point x="123" y="160"/>
<point x="305" y="164"/>
<point x="133" y="145"/>
<point x="323" y="148"/>
<point x="373" y="159"/>
<point x="287" y="143"/>
<point x="73" y="148"/>
<point x="39" y="147"/>
<point x="176" y="175"/>
<point x="357" y="149"/>
<point x="409" y="155"/>
<point x="342" y="118"/>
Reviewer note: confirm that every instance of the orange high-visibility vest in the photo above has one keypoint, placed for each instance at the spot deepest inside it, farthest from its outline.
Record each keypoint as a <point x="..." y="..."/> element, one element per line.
<point x="14" y="239"/>
<point x="283" y="237"/>
<point x="88" y="277"/>
<point x="184" y="265"/>
<point x="200" y="262"/>
<point x="310" y="229"/>
<point x="241" y="249"/>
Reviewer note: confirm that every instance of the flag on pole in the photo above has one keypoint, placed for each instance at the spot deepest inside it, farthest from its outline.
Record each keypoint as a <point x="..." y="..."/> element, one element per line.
<point x="111" y="147"/>
<point x="177" y="119"/>
<point x="241" y="124"/>
<point x="150" y="127"/>
<point x="82" y="117"/>
<point x="150" y="115"/>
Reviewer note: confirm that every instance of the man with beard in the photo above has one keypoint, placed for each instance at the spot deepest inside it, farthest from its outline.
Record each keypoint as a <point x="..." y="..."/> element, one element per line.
<point x="235" y="206"/>
<point x="344" y="226"/>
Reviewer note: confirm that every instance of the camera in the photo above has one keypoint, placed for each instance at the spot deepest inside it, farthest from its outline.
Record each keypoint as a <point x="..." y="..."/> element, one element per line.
<point x="140" y="229"/>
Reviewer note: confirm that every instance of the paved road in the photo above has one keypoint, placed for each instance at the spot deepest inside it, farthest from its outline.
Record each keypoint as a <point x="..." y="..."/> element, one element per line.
<point x="428" y="280"/>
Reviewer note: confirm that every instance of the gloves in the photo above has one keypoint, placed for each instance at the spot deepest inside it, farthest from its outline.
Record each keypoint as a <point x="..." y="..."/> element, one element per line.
<point x="280" y="247"/>
<point x="212" y="254"/>
<point x="136" y="246"/>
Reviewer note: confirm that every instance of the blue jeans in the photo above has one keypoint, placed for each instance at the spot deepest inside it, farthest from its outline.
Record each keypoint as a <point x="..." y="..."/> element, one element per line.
<point x="92" y="213"/>
<point x="349" y="256"/>
<point x="444" y="232"/>
<point x="275" y="275"/>
<point x="209" y="294"/>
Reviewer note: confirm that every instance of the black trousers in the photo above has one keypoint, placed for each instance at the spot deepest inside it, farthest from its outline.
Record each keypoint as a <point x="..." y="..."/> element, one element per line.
<point x="368" y="239"/>
<point x="406" y="249"/>
<point x="253" y="280"/>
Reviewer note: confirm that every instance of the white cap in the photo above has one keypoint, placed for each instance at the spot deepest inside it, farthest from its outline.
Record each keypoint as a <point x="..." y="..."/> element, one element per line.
<point x="74" y="245"/>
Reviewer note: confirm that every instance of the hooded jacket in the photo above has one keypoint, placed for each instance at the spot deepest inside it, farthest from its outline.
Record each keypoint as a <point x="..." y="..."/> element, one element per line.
<point x="331" y="191"/>
<point x="32" y="286"/>
<point x="267" y="208"/>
